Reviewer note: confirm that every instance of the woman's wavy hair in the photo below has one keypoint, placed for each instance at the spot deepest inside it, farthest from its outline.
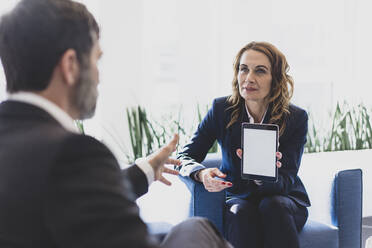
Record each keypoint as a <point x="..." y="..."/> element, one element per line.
<point x="281" y="86"/>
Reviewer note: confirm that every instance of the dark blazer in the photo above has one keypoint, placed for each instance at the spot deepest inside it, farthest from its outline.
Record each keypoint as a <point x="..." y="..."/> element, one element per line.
<point x="213" y="127"/>
<point x="61" y="189"/>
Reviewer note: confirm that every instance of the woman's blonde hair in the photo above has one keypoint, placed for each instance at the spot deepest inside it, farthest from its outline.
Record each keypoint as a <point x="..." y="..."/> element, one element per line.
<point x="281" y="86"/>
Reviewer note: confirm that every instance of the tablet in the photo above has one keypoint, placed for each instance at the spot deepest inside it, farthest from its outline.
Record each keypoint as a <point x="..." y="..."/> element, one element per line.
<point x="259" y="144"/>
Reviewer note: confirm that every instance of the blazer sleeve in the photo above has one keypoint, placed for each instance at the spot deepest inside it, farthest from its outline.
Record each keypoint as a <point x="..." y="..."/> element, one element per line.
<point x="292" y="150"/>
<point x="137" y="179"/>
<point x="195" y="151"/>
<point x="89" y="203"/>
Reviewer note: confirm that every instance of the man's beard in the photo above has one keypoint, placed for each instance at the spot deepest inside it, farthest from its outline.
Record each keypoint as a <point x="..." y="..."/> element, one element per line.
<point x="85" y="94"/>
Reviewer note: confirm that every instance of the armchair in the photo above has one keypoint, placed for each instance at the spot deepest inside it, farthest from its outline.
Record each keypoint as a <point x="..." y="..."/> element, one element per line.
<point x="335" y="217"/>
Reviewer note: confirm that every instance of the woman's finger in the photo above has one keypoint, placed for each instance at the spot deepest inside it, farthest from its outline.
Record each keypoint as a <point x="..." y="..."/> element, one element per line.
<point x="239" y="153"/>
<point x="216" y="188"/>
<point x="258" y="182"/>
<point x="219" y="183"/>
<point x="279" y="155"/>
<point x="278" y="164"/>
<point x="217" y="172"/>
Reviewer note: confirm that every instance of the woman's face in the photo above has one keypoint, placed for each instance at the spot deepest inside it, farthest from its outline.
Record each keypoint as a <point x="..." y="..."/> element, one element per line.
<point x="254" y="76"/>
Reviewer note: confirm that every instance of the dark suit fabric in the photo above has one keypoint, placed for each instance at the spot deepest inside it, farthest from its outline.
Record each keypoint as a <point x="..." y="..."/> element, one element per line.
<point x="61" y="189"/>
<point x="292" y="141"/>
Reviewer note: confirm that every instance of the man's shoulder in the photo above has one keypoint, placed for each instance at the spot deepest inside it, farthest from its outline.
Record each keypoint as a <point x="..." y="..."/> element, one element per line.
<point x="73" y="142"/>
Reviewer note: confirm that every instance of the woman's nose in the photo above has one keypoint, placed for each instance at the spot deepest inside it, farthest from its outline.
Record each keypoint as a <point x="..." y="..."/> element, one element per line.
<point x="249" y="77"/>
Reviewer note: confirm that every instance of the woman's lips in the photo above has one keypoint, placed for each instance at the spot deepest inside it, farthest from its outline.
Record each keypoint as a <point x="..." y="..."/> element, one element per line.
<point x="250" y="89"/>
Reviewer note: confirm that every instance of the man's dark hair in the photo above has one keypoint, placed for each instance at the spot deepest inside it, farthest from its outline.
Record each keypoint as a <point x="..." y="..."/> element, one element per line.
<point x="34" y="36"/>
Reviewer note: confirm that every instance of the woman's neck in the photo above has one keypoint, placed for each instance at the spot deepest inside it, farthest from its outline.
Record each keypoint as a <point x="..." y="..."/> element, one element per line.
<point x="256" y="110"/>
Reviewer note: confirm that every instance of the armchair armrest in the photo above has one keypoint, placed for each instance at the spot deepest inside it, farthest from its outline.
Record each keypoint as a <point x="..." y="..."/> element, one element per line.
<point x="347" y="207"/>
<point x="203" y="203"/>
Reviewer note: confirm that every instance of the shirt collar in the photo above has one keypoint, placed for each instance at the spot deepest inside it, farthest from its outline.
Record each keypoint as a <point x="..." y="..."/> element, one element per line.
<point x="55" y="111"/>
<point x="250" y="118"/>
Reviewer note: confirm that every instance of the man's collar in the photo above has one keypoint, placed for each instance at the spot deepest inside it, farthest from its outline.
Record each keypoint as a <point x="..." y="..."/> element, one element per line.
<point x="55" y="111"/>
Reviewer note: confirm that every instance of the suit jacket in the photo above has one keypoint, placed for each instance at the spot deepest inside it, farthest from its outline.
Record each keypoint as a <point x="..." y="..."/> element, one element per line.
<point x="61" y="189"/>
<point x="213" y="127"/>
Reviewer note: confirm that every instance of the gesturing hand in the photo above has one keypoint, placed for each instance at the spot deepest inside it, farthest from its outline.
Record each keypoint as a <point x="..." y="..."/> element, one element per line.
<point x="239" y="152"/>
<point x="207" y="177"/>
<point x="161" y="157"/>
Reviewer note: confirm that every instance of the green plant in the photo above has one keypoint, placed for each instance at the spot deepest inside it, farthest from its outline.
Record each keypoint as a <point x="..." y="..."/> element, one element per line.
<point x="350" y="130"/>
<point x="314" y="143"/>
<point x="147" y="134"/>
<point x="141" y="135"/>
<point x="80" y="126"/>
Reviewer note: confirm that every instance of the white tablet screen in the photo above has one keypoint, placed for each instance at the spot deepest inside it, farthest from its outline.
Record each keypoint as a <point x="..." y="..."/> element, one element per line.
<point x="259" y="152"/>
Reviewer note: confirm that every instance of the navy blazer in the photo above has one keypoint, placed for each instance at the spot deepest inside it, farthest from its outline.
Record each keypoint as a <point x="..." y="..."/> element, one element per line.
<point x="291" y="145"/>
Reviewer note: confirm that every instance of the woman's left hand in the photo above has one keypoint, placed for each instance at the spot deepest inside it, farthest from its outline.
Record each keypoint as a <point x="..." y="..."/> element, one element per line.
<point x="239" y="152"/>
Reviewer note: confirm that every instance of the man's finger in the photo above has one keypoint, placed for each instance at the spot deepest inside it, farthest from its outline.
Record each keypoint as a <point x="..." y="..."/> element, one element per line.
<point x="163" y="154"/>
<point x="172" y="145"/>
<point x="173" y="161"/>
<point x="170" y="171"/>
<point x="165" y="181"/>
<point x="239" y="152"/>
<point x="168" y="149"/>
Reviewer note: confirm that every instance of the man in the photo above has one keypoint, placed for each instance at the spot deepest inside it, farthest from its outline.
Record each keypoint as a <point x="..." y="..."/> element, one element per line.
<point x="59" y="188"/>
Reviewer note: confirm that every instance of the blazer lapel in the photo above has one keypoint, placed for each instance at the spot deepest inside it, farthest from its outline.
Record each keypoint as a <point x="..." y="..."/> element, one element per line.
<point x="236" y="129"/>
<point x="268" y="114"/>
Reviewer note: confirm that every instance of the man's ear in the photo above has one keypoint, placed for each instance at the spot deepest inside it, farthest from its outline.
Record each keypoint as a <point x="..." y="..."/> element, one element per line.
<point x="69" y="66"/>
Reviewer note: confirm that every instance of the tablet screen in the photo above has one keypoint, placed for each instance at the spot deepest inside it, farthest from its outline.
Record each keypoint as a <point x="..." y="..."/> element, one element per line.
<point x="259" y="151"/>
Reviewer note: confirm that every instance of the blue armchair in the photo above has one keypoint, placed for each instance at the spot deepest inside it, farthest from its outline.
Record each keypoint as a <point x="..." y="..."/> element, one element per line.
<point x="335" y="217"/>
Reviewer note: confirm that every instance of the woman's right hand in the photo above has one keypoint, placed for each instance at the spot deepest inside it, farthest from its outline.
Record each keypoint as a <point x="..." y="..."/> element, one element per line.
<point x="207" y="177"/>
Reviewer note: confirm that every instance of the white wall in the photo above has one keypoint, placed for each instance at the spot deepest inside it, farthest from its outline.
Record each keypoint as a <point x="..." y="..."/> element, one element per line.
<point x="5" y="6"/>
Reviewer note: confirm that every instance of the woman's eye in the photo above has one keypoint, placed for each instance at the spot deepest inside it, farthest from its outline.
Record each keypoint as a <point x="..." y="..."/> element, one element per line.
<point x="260" y="71"/>
<point x="243" y="69"/>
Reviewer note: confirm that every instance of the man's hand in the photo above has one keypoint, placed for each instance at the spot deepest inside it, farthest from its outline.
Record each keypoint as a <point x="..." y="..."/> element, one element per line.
<point x="161" y="157"/>
<point x="207" y="177"/>
<point x="239" y="152"/>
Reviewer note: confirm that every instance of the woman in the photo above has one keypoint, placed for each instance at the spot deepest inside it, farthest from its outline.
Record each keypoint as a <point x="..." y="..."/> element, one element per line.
<point x="258" y="214"/>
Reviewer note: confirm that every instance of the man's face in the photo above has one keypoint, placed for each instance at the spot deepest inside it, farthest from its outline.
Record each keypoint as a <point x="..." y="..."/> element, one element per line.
<point x="86" y="93"/>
